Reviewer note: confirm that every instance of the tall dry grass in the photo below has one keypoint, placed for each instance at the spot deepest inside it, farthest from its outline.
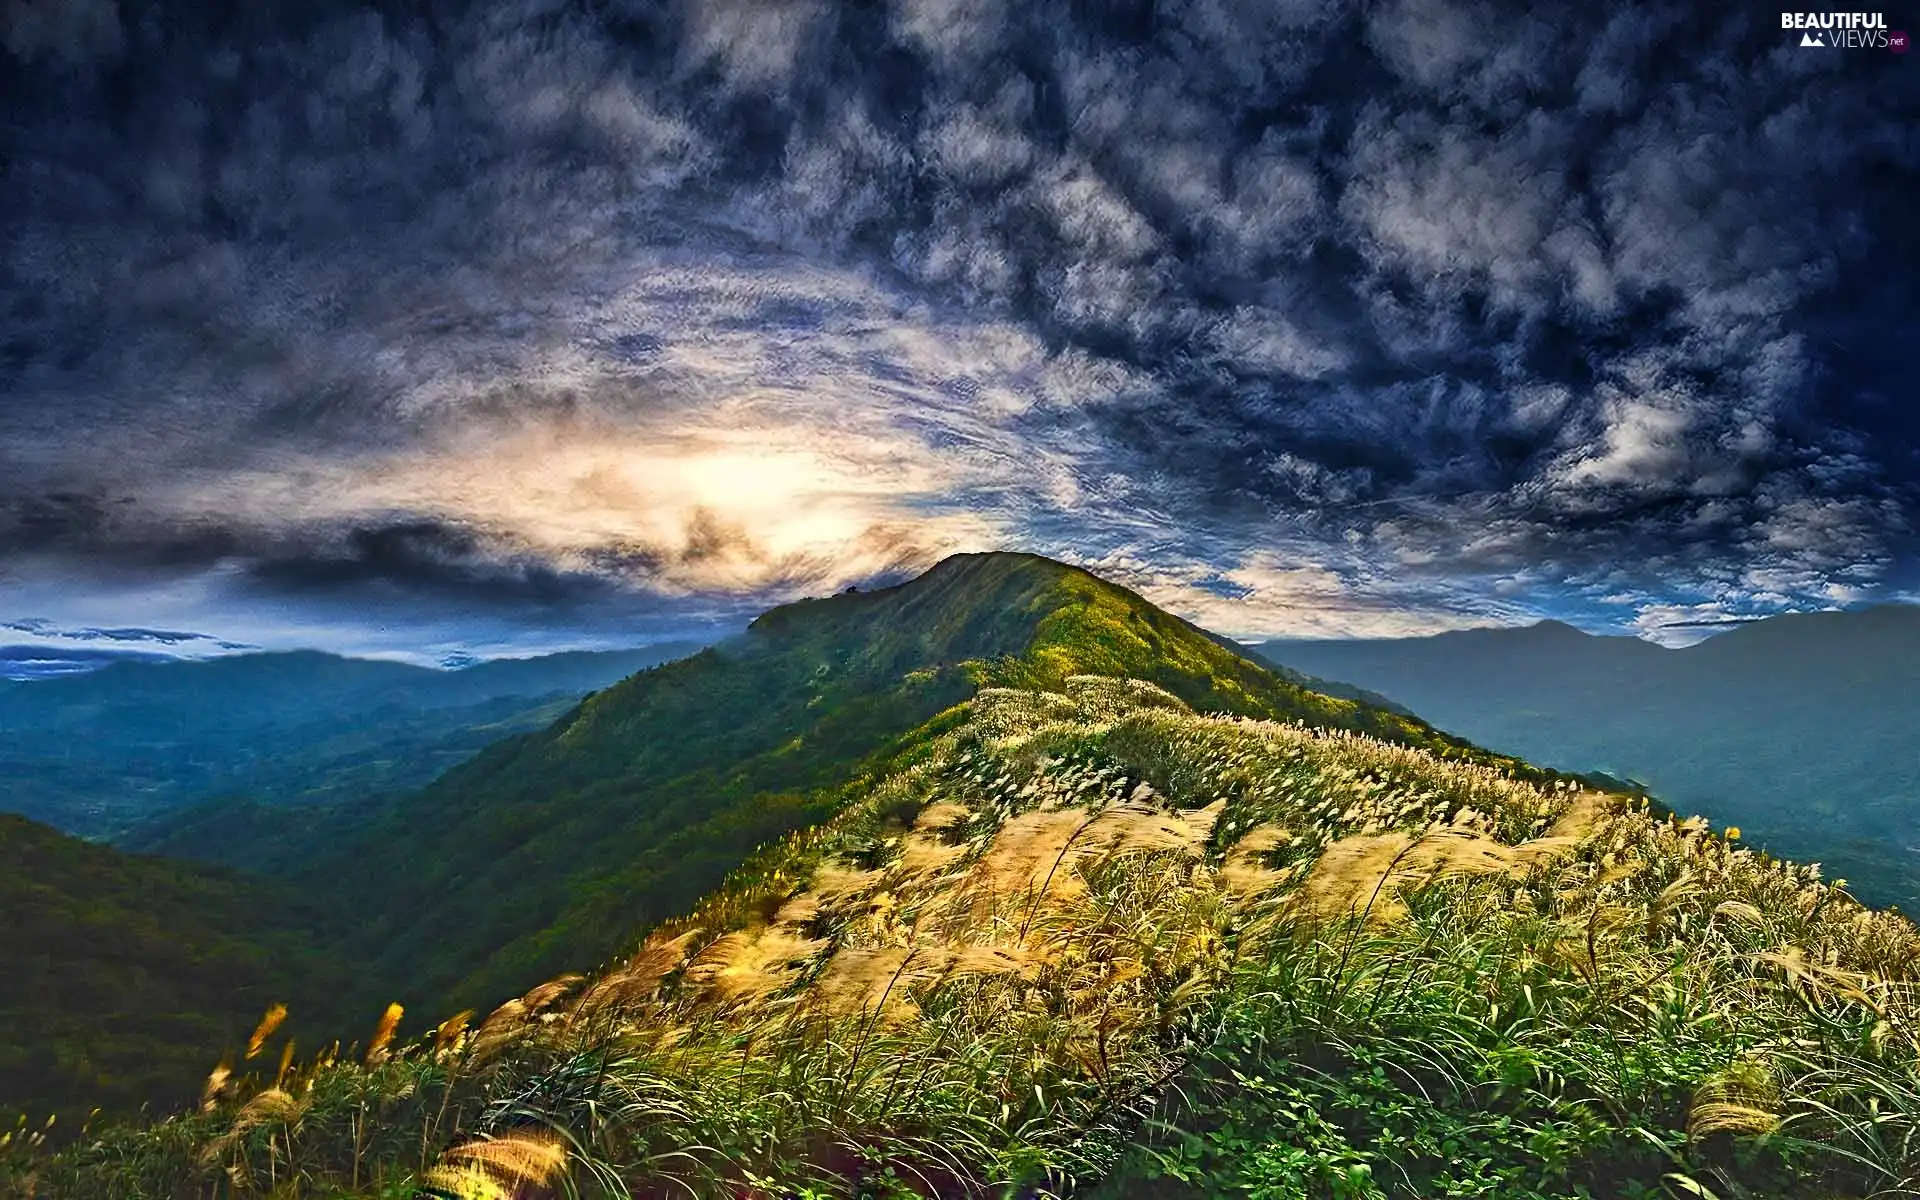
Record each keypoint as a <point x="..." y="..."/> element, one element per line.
<point x="992" y="971"/>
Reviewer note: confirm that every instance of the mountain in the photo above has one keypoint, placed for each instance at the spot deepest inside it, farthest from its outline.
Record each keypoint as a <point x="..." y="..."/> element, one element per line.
<point x="547" y="850"/>
<point x="1078" y="938"/>
<point x="1798" y="729"/>
<point x="123" y="978"/>
<point x="104" y="753"/>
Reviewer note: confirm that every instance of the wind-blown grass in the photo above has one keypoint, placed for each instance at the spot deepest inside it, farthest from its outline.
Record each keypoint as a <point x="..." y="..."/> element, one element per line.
<point x="1089" y="940"/>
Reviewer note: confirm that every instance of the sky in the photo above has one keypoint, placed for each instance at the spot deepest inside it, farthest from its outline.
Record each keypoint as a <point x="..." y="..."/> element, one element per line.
<point x="418" y="328"/>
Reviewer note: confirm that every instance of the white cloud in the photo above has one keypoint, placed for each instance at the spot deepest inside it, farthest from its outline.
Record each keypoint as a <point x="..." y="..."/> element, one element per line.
<point x="1676" y="626"/>
<point x="1527" y="316"/>
<point x="1266" y="594"/>
<point x="756" y="44"/>
<point x="1644" y="446"/>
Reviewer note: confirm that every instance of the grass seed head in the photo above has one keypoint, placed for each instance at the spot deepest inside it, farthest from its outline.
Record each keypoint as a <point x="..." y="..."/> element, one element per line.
<point x="265" y="1029"/>
<point x="382" y="1039"/>
<point x="531" y="1159"/>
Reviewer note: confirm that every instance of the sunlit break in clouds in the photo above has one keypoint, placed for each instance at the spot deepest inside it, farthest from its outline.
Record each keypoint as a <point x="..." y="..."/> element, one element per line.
<point x="430" y="327"/>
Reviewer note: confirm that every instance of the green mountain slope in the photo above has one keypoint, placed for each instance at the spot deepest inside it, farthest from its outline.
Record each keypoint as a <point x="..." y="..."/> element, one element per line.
<point x="1798" y="729"/>
<point x="548" y="850"/>
<point x="1086" y="941"/>
<point x="123" y="978"/>
<point x="109" y="753"/>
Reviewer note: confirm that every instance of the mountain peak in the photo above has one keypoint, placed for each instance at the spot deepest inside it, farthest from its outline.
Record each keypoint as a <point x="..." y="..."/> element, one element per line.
<point x="752" y="740"/>
<point x="971" y="577"/>
<point x="1557" y="629"/>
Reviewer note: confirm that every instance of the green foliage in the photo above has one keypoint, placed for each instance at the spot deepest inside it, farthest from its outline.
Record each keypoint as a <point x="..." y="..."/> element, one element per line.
<point x="1091" y="942"/>
<point x="122" y="978"/>
<point x="552" y="849"/>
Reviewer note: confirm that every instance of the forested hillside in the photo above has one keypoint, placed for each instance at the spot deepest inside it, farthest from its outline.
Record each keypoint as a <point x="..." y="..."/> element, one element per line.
<point x="124" y="751"/>
<point x="122" y="978"/>
<point x="548" y="850"/>
<point x="1088" y="942"/>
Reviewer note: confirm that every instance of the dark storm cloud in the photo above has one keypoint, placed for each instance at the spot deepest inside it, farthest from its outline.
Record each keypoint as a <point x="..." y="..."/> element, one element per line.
<point x="1469" y="309"/>
<point x="424" y="556"/>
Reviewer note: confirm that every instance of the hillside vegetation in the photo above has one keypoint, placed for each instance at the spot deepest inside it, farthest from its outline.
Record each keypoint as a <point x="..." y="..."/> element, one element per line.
<point x="120" y="976"/>
<point x="1799" y="728"/>
<point x="550" y="849"/>
<point x="131" y="751"/>
<point x="1088" y="941"/>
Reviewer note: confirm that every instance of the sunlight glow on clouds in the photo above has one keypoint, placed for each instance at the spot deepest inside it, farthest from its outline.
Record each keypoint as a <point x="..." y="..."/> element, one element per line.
<point x="747" y="510"/>
<point x="1305" y="319"/>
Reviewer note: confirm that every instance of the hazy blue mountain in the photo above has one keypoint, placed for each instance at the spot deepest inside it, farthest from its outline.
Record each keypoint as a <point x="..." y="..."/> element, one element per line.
<point x="101" y="752"/>
<point x="1799" y="729"/>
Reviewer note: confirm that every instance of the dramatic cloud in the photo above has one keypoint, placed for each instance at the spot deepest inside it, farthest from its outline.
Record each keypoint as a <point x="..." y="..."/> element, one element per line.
<point x="552" y="322"/>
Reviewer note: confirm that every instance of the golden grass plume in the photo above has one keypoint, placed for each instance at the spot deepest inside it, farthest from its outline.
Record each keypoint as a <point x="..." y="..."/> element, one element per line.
<point x="859" y="980"/>
<point x="639" y="977"/>
<point x="1741" y="1100"/>
<point x="382" y="1040"/>
<point x="1243" y="872"/>
<point x="270" y="1022"/>
<point x="745" y="966"/>
<point x="533" y="1158"/>
<point x="216" y="1085"/>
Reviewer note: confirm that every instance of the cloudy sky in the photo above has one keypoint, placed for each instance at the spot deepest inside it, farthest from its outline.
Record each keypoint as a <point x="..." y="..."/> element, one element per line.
<point x="526" y="324"/>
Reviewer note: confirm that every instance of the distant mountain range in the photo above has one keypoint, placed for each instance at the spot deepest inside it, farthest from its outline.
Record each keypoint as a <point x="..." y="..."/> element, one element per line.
<point x="999" y="882"/>
<point x="551" y="848"/>
<point x="1803" y="730"/>
<point x="104" y="752"/>
<point x="36" y="662"/>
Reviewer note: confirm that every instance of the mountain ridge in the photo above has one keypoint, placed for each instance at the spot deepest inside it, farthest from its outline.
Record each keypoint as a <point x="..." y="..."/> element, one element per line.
<point x="651" y="789"/>
<point x="1794" y="728"/>
<point x="941" y="896"/>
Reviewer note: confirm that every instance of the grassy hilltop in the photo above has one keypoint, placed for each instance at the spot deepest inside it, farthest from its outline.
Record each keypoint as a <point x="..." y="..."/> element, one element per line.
<point x="1798" y="728"/>
<point x="1067" y="898"/>
<point x="547" y="851"/>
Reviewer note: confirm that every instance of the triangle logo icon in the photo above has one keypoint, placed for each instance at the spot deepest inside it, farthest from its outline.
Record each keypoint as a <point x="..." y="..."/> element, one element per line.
<point x="1810" y="39"/>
